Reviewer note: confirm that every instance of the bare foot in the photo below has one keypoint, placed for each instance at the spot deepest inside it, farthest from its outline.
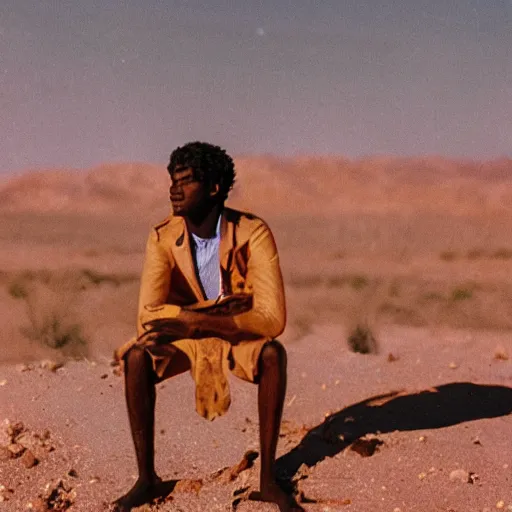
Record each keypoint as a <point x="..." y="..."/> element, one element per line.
<point x="142" y="492"/>
<point x="274" y="494"/>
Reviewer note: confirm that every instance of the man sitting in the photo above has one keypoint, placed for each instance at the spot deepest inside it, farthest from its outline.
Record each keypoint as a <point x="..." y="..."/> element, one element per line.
<point x="211" y="299"/>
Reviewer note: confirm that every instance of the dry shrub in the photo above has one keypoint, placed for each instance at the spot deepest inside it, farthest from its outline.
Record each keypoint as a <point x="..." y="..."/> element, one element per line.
<point x="362" y="340"/>
<point x="461" y="294"/>
<point x="503" y="254"/>
<point x="448" y="256"/>
<point x="49" y="300"/>
<point x="363" y="316"/>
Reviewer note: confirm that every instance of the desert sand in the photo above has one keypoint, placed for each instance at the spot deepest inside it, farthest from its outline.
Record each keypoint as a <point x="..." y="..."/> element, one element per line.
<point x="417" y="251"/>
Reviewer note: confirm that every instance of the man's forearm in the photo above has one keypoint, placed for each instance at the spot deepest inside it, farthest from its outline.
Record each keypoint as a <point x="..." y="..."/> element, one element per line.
<point x="215" y="326"/>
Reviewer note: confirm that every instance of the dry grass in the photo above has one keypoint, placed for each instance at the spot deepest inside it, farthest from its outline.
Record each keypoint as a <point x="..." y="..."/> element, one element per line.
<point x="362" y="340"/>
<point x="48" y="300"/>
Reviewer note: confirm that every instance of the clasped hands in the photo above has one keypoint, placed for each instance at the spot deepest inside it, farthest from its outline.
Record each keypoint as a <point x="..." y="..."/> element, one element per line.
<point x="200" y="321"/>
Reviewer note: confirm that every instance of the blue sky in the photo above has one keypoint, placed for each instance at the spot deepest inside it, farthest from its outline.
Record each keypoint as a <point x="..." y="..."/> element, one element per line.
<point x="83" y="83"/>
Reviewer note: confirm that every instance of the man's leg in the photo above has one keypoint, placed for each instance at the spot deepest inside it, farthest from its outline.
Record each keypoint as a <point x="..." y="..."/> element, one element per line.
<point x="271" y="394"/>
<point x="140" y="400"/>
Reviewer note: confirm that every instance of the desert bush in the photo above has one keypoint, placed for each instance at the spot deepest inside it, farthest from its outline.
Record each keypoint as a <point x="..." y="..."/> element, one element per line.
<point x="18" y="289"/>
<point x="448" y="256"/>
<point x="49" y="303"/>
<point x="358" y="282"/>
<point x="461" y="294"/>
<point x="502" y="254"/>
<point x="362" y="340"/>
<point x="54" y="333"/>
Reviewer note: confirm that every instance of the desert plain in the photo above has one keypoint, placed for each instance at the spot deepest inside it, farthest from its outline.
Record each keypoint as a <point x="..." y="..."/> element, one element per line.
<point x="414" y="255"/>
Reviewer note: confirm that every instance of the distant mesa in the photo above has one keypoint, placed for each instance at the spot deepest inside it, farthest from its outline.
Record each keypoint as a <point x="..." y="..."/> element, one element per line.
<point x="272" y="185"/>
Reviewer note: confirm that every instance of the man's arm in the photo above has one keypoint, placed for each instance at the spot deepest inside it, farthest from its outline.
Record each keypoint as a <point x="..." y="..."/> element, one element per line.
<point x="268" y="314"/>
<point x="154" y="285"/>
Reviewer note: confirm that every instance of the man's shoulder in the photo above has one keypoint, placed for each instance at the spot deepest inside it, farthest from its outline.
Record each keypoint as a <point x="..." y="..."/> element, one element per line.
<point x="169" y="228"/>
<point x="244" y="220"/>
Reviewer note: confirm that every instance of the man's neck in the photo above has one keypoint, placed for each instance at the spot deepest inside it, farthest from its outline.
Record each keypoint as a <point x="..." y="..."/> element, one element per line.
<point x="205" y="226"/>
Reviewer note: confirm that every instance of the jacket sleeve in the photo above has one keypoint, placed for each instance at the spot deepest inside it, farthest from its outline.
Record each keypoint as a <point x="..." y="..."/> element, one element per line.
<point x="268" y="314"/>
<point x="155" y="284"/>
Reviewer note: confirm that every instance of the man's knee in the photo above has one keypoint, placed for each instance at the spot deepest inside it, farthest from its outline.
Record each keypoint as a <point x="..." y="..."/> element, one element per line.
<point x="136" y="357"/>
<point x="273" y="354"/>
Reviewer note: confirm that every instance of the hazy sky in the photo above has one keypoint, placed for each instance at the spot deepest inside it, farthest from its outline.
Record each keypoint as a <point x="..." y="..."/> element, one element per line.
<point x="89" y="81"/>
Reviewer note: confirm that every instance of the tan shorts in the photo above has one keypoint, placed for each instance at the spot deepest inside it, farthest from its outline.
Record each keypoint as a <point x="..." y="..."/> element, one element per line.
<point x="171" y="359"/>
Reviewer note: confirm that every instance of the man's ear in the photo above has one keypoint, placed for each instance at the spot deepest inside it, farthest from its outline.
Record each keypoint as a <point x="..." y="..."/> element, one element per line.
<point x="214" y="190"/>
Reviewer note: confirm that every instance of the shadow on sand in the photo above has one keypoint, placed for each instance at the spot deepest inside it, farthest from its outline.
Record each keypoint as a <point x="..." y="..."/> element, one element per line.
<point x="442" y="406"/>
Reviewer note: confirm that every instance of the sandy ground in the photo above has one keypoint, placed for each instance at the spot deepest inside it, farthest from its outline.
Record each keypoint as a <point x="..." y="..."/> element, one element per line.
<point x="419" y="250"/>
<point x="439" y="404"/>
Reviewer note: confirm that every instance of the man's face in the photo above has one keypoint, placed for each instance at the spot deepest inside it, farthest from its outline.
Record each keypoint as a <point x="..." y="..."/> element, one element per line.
<point x="188" y="195"/>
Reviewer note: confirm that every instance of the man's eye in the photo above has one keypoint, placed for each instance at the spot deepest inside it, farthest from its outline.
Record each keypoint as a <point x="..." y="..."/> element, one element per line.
<point x="183" y="181"/>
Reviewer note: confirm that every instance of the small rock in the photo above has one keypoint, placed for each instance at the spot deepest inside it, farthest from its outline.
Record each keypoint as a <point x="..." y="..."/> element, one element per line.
<point x="3" y="382"/>
<point x="117" y="371"/>
<point x="28" y="459"/>
<point x="422" y="476"/>
<point x="500" y="504"/>
<point x="186" y="485"/>
<point x="422" y="439"/>
<point x="16" y="450"/>
<point x="5" y="453"/>
<point x="72" y="473"/>
<point x="15" y="429"/>
<point x="453" y="366"/>
<point x="460" y="475"/>
<point x="38" y="505"/>
<point x="48" y="364"/>
<point x="5" y="494"/>
<point x="24" y="367"/>
<point x="392" y="358"/>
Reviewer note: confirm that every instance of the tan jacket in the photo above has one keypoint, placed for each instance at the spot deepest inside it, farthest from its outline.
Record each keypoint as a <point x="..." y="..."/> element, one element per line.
<point x="249" y="264"/>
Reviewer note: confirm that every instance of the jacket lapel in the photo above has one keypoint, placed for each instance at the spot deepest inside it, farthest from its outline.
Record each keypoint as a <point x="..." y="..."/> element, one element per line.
<point x="182" y="254"/>
<point x="226" y="250"/>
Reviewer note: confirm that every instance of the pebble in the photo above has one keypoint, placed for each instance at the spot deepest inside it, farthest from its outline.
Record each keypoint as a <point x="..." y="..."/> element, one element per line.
<point x="453" y="366"/>
<point x="16" y="450"/>
<point x="5" y="453"/>
<point x="48" y="364"/>
<point x="24" y="367"/>
<point x="28" y="459"/>
<point x="460" y="475"/>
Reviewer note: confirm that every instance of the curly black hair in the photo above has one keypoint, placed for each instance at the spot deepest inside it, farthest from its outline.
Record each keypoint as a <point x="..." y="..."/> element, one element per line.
<point x="211" y="164"/>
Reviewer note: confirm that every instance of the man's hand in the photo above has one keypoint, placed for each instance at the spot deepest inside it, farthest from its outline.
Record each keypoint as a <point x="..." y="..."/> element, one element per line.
<point x="174" y="328"/>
